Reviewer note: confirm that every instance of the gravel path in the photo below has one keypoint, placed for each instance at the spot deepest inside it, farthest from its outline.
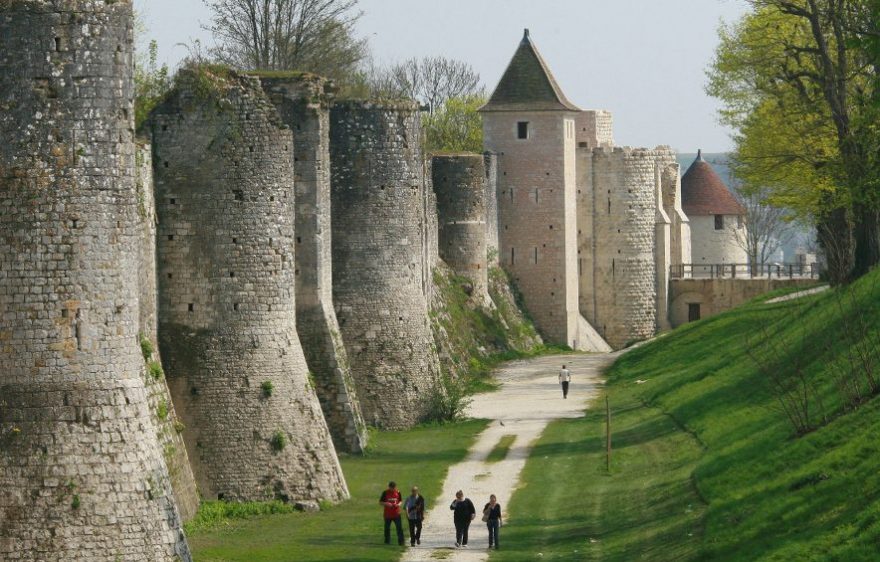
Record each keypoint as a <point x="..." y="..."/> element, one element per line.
<point x="530" y="397"/>
<point x="798" y="294"/>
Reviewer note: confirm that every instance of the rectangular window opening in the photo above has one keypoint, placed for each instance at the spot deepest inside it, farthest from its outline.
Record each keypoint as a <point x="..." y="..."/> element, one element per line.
<point x="693" y="311"/>
<point x="512" y="256"/>
<point x="719" y="222"/>
<point x="522" y="130"/>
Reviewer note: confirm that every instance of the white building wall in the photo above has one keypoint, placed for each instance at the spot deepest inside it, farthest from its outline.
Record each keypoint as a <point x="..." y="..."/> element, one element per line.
<point x="711" y="246"/>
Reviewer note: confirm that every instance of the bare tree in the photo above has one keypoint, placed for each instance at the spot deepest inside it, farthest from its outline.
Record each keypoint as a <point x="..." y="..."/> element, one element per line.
<point x="767" y="228"/>
<point x="308" y="35"/>
<point x="431" y="80"/>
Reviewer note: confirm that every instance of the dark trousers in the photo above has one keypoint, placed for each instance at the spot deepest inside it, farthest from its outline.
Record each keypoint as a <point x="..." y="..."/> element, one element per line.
<point x="461" y="531"/>
<point x="415" y="530"/>
<point x="494" y="525"/>
<point x="397" y="524"/>
<point x="565" y="389"/>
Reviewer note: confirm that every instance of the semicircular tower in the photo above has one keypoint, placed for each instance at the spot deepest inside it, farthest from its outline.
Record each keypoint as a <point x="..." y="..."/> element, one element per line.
<point x="380" y="280"/>
<point x="82" y="475"/>
<point x="227" y="314"/>
<point x="460" y="184"/>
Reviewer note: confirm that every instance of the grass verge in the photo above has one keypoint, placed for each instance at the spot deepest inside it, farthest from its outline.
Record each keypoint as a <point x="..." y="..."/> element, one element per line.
<point x="349" y="531"/>
<point x="705" y="464"/>
<point x="500" y="450"/>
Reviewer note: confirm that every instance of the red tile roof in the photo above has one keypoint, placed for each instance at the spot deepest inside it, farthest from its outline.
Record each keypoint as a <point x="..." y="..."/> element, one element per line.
<point x="703" y="192"/>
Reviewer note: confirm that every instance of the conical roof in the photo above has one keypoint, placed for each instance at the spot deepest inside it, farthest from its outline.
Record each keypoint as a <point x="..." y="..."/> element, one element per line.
<point x="704" y="193"/>
<point x="528" y="84"/>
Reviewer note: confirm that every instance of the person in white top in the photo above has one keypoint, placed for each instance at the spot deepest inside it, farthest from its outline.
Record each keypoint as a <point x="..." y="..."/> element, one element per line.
<point x="564" y="380"/>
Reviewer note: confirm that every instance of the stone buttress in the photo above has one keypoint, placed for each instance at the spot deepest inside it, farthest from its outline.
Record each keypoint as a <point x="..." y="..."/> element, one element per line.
<point x="303" y="103"/>
<point x="82" y="476"/>
<point x="227" y="316"/>
<point x="379" y="204"/>
<point x="460" y="185"/>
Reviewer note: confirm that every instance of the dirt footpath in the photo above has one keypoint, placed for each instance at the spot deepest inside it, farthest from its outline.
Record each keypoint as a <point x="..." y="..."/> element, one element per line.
<point x="530" y="397"/>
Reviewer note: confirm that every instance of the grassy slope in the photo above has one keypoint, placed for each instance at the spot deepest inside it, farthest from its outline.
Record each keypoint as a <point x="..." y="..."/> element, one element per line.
<point x="705" y="466"/>
<point x="353" y="529"/>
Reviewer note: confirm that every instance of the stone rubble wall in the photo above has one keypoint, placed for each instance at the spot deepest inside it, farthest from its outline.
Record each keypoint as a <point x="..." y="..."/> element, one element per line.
<point x="680" y="232"/>
<point x="168" y="426"/>
<point x="460" y="187"/>
<point x="378" y="223"/>
<point x="82" y="476"/>
<point x="303" y="103"/>
<point x="227" y="314"/>
<point x="625" y="280"/>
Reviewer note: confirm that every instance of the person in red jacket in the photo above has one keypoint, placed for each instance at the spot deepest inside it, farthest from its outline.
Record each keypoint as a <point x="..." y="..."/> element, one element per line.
<point x="391" y="500"/>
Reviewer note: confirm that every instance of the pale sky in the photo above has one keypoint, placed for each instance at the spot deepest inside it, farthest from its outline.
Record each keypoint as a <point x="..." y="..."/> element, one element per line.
<point x="644" y="60"/>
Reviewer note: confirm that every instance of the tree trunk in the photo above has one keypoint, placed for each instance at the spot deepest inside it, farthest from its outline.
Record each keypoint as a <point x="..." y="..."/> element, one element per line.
<point x="867" y="240"/>
<point x="836" y="239"/>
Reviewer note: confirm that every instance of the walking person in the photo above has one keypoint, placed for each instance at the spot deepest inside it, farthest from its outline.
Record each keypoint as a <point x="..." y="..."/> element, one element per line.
<point x="492" y="517"/>
<point x="464" y="513"/>
<point x="564" y="380"/>
<point x="415" y="513"/>
<point x="390" y="500"/>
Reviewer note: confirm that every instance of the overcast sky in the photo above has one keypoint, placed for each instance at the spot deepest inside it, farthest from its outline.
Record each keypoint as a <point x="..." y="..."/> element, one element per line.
<point x="644" y="60"/>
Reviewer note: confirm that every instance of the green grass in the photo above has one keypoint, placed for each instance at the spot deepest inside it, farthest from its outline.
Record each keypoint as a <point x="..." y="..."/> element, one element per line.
<point x="352" y="530"/>
<point x="705" y="465"/>
<point x="500" y="450"/>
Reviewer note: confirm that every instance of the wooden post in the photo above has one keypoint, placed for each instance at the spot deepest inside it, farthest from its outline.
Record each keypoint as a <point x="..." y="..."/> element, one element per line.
<point x="607" y="434"/>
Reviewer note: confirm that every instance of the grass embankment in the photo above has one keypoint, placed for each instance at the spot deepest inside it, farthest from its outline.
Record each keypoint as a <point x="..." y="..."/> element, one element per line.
<point x="351" y="530"/>
<point x="706" y="465"/>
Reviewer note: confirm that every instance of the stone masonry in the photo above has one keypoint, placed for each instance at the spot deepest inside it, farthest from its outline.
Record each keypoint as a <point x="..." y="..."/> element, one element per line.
<point x="379" y="212"/>
<point x="303" y="102"/>
<point x="227" y="316"/>
<point x="460" y="186"/>
<point x="82" y="475"/>
<point x="490" y="163"/>
<point x="168" y="427"/>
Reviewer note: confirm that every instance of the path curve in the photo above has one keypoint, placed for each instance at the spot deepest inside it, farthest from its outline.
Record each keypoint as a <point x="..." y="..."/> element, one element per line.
<point x="529" y="399"/>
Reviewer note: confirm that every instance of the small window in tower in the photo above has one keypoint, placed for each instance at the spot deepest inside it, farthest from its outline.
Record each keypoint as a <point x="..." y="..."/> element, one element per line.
<point x="512" y="256"/>
<point x="719" y="222"/>
<point x="739" y="221"/>
<point x="522" y="130"/>
<point x="536" y="255"/>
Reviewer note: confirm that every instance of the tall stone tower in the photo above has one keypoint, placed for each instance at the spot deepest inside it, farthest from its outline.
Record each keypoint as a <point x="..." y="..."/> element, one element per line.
<point x="227" y="315"/>
<point x="380" y="257"/>
<point x="530" y="124"/>
<point x="303" y="102"/>
<point x="460" y="185"/>
<point x="82" y="475"/>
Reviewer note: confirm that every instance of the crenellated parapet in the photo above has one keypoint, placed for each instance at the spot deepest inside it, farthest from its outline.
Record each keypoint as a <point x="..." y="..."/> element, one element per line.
<point x="82" y="474"/>
<point x="227" y="313"/>
<point x="380" y="274"/>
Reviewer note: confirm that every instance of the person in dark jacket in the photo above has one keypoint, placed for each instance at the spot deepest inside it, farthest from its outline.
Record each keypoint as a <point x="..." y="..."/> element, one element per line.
<point x="390" y="500"/>
<point x="492" y="517"/>
<point x="464" y="513"/>
<point x="415" y="513"/>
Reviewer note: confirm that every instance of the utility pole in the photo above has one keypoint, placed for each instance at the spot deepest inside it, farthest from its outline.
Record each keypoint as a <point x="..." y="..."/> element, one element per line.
<point x="607" y="434"/>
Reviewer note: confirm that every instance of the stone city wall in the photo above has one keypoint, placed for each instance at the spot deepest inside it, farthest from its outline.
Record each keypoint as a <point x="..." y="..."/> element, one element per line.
<point x="227" y="318"/>
<point x="169" y="428"/>
<point x="460" y="187"/>
<point x="82" y="477"/>
<point x="379" y="215"/>
<point x="594" y="129"/>
<point x="490" y="163"/>
<point x="303" y="102"/>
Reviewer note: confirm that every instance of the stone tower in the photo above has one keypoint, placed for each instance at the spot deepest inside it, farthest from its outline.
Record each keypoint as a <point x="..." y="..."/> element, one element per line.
<point x="717" y="219"/>
<point x="460" y="186"/>
<point x="303" y="101"/>
<point x="227" y="316"/>
<point x="380" y="257"/>
<point x="530" y="124"/>
<point x="82" y="475"/>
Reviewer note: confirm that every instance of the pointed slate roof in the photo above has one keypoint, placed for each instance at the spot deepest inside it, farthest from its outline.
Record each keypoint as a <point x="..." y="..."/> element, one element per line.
<point x="528" y="84"/>
<point x="704" y="193"/>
